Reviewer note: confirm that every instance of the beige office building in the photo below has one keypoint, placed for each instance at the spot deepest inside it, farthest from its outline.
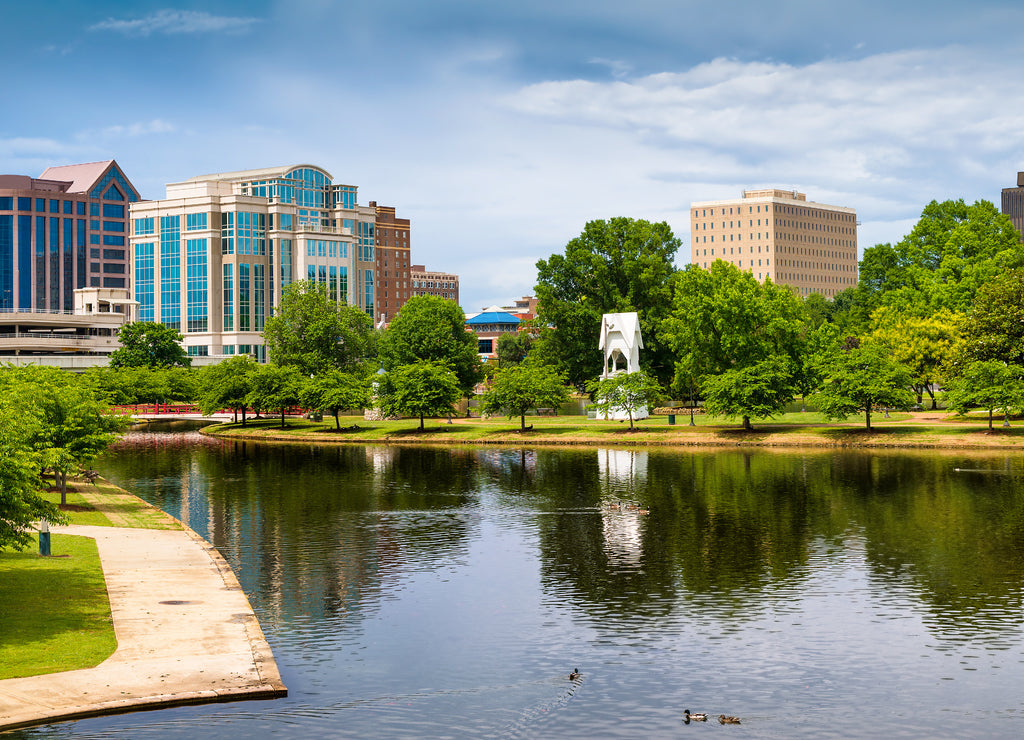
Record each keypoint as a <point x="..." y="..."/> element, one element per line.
<point x="779" y="234"/>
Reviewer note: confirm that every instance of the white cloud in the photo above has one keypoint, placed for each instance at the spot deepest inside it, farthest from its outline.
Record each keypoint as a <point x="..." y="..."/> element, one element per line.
<point x="176" y="22"/>
<point x="142" y="128"/>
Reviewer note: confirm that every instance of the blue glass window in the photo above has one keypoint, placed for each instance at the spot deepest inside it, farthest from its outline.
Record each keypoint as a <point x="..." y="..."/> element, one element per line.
<point x="145" y="226"/>
<point x="170" y="271"/>
<point x="40" y="205"/>
<point x="113" y="226"/>
<point x="25" y="261"/>
<point x="286" y="221"/>
<point x="81" y="208"/>
<point x="94" y="238"/>
<point x="195" y="274"/>
<point x="113" y="210"/>
<point x="113" y="254"/>
<point x="24" y="204"/>
<point x="229" y="303"/>
<point x="195" y="221"/>
<point x="259" y="296"/>
<point x="113" y="194"/>
<point x="112" y="282"/>
<point x="94" y="210"/>
<point x="7" y="204"/>
<point x="244" y="297"/>
<point x="113" y="268"/>
<point x="114" y="175"/>
<point x="69" y="264"/>
<point x="113" y="241"/>
<point x="54" y="206"/>
<point x="6" y="261"/>
<point x="227" y="233"/>
<point x="40" y="261"/>
<point x="69" y="207"/>
<point x="286" y="263"/>
<point x="80" y="249"/>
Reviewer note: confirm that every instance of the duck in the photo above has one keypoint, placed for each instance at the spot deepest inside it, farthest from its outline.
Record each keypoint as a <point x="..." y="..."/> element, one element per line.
<point x="614" y="505"/>
<point x="697" y="717"/>
<point x="643" y="511"/>
<point x="726" y="720"/>
<point x="575" y="674"/>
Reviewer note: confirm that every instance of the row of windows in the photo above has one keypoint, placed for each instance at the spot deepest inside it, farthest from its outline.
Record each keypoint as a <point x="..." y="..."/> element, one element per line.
<point x="67" y="207"/>
<point x="444" y="285"/>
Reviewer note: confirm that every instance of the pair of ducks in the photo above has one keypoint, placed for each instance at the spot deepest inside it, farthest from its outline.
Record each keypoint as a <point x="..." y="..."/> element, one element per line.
<point x="723" y="719"/>
<point x="629" y="507"/>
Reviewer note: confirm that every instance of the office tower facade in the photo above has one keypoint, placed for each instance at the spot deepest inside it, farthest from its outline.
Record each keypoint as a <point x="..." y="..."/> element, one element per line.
<point x="394" y="280"/>
<point x="1013" y="203"/>
<point x="66" y="229"/>
<point x="213" y="257"/>
<point x="432" y="282"/>
<point x="779" y="234"/>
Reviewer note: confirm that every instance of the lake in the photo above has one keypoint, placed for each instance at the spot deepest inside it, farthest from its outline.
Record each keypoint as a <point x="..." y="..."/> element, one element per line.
<point x="448" y="592"/>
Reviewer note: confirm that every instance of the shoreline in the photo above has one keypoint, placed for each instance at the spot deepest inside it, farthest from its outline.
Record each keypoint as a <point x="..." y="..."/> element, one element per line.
<point x="186" y="634"/>
<point x="898" y="435"/>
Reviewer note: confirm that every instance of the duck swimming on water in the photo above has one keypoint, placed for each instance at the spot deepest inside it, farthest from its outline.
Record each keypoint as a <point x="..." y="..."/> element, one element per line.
<point x="696" y="717"/>
<point x="726" y="720"/>
<point x="575" y="674"/>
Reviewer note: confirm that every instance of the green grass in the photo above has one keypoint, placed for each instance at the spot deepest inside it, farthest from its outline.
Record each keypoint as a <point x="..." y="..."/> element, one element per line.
<point x="794" y="428"/>
<point x="105" y="505"/>
<point x="55" y="614"/>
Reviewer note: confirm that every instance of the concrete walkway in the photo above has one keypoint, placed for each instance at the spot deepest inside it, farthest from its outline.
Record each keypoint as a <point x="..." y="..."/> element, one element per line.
<point x="185" y="635"/>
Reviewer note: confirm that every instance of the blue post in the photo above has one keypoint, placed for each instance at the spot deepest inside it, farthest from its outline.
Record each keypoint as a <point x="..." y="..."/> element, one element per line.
<point x="44" y="539"/>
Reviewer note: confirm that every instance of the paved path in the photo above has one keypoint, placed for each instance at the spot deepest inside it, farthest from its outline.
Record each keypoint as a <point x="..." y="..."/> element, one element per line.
<point x="207" y="648"/>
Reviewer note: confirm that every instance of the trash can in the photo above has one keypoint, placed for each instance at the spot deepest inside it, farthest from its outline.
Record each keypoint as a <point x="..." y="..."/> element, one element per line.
<point x="672" y="419"/>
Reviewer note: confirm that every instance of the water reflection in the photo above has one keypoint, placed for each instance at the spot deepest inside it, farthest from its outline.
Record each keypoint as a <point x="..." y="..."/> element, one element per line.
<point x="464" y="583"/>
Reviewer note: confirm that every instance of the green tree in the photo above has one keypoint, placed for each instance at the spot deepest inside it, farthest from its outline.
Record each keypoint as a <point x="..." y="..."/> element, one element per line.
<point x="518" y="388"/>
<point x="614" y="266"/>
<point x="987" y="384"/>
<point x="627" y="391"/>
<point x="420" y="389"/>
<point x="336" y="390"/>
<point x="275" y="388"/>
<point x="994" y="329"/>
<point x="922" y="344"/>
<point x="513" y="347"/>
<point x="431" y="329"/>
<point x="226" y="385"/>
<point x="20" y="502"/>
<point x="739" y="338"/>
<point x="149" y="344"/>
<point x="314" y="333"/>
<point x="860" y="378"/>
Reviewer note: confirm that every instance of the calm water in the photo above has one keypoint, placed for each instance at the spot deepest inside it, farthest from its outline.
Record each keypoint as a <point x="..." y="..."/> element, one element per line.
<point x="442" y="592"/>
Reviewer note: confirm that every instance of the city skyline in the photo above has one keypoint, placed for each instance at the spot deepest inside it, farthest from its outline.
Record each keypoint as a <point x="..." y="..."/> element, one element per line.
<point x="499" y="129"/>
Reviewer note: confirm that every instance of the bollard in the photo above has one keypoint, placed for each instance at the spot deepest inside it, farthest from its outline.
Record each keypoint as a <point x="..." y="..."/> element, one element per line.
<point x="672" y="419"/>
<point x="44" y="538"/>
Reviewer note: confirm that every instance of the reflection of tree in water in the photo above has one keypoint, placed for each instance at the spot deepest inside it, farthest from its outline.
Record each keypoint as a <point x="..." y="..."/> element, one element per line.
<point x="316" y="531"/>
<point x="955" y="540"/>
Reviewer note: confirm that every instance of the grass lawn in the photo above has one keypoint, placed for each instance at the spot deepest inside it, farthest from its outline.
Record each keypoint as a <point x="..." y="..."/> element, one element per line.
<point x="791" y="429"/>
<point x="105" y="505"/>
<point x="55" y="615"/>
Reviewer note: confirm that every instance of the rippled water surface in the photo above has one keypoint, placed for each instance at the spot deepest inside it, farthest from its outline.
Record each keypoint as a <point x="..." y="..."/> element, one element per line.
<point x="438" y="592"/>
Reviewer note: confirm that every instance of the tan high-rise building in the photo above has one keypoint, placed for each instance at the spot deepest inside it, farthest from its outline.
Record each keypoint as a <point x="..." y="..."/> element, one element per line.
<point x="779" y="234"/>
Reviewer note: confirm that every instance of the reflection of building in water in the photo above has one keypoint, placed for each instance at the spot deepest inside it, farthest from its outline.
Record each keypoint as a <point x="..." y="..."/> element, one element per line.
<point x="622" y="470"/>
<point x="623" y="474"/>
<point x="380" y="459"/>
<point x="622" y="538"/>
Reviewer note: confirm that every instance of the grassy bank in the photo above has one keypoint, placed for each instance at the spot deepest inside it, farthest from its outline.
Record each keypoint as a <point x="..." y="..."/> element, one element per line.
<point x="56" y="614"/>
<point x="909" y="430"/>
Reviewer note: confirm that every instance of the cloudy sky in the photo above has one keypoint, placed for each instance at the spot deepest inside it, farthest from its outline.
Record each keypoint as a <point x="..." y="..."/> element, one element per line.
<point x="500" y="128"/>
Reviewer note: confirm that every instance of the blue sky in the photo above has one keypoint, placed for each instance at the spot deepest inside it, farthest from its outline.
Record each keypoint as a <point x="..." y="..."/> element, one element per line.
<point x="501" y="128"/>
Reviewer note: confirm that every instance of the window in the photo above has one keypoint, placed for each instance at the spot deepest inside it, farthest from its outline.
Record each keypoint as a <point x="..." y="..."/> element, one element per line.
<point x="113" y="241"/>
<point x="196" y="285"/>
<point x="485" y="346"/>
<point x="113" y="210"/>
<point x="113" y="226"/>
<point x="144" y="226"/>
<point x="54" y="206"/>
<point x="195" y="221"/>
<point x="229" y="307"/>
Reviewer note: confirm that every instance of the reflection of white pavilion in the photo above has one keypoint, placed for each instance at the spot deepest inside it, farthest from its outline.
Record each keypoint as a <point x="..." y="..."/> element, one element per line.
<point x="622" y="473"/>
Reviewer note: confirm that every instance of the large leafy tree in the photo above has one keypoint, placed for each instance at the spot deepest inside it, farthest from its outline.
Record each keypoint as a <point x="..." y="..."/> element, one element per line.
<point x="336" y="390"/>
<point x="518" y="388"/>
<point x="921" y="343"/>
<point x="431" y="329"/>
<point x="994" y="329"/>
<point x="276" y="388"/>
<point x="149" y="344"/>
<point x="313" y="333"/>
<point x="860" y="377"/>
<point x="738" y="338"/>
<point x="952" y="251"/>
<point x="629" y="392"/>
<point x="420" y="389"/>
<point x="226" y="385"/>
<point x="20" y="502"/>
<point x="613" y="266"/>
<point x="988" y="384"/>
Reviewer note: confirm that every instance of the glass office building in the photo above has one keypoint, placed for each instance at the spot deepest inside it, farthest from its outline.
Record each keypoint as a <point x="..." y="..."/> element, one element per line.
<point x="213" y="257"/>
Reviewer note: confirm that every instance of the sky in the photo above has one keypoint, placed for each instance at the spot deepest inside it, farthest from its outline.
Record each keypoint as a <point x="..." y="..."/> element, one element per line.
<point x="500" y="129"/>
